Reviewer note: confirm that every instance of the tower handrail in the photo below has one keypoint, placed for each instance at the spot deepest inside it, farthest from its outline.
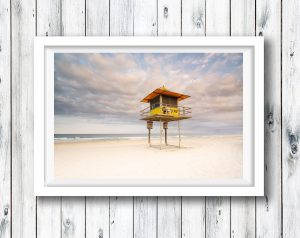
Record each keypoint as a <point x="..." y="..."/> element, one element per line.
<point x="183" y="110"/>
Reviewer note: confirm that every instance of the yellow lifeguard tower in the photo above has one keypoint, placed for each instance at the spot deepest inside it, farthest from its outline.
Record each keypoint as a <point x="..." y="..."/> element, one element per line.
<point x="164" y="108"/>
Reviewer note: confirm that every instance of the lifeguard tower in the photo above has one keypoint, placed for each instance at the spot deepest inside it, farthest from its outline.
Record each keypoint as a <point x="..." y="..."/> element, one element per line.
<point x="164" y="108"/>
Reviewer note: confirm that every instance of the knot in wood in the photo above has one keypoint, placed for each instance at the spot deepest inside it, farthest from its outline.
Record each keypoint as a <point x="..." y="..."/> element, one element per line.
<point x="294" y="148"/>
<point x="100" y="233"/>
<point x="198" y="22"/>
<point x="293" y="141"/>
<point x="166" y="10"/>
<point x="67" y="223"/>
<point x="5" y="210"/>
<point x="270" y="120"/>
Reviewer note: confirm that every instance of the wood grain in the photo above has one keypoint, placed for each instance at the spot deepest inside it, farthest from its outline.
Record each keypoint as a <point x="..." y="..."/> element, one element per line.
<point x="193" y="217"/>
<point x="5" y="120"/>
<point x="145" y="208"/>
<point x="97" y="208"/>
<point x="145" y="217"/>
<point x="97" y="217"/>
<point x="97" y="18"/>
<point x="73" y="17"/>
<point x="217" y="217"/>
<point x="121" y="208"/>
<point x="290" y="118"/>
<point x="217" y="18"/>
<point x="48" y="209"/>
<point x="242" y="217"/>
<point x="193" y="17"/>
<point x="23" y="202"/>
<point x="73" y="209"/>
<point x="242" y="208"/>
<point x="218" y="208"/>
<point x="48" y="20"/>
<point x="48" y="222"/>
<point x="169" y="208"/>
<point x="169" y="217"/>
<point x="268" y="208"/>
<point x="145" y="17"/>
<point x="72" y="217"/>
<point x="193" y="208"/>
<point x="121" y="217"/>
<point x="169" y="17"/>
<point x="121" y="17"/>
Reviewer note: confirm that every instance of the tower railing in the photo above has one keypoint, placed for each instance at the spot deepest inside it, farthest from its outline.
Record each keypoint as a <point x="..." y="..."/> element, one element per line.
<point x="182" y="110"/>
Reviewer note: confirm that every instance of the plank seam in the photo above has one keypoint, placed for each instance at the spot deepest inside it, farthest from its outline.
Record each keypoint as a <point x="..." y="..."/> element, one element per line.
<point x="11" y="109"/>
<point x="281" y="127"/>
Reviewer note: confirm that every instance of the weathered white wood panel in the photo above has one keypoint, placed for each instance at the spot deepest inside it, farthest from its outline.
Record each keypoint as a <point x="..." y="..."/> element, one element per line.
<point x="169" y="217"/>
<point x="145" y="208"/>
<point x="193" y="208"/>
<point x="97" y="18"/>
<point x="145" y="17"/>
<point x="48" y="222"/>
<point x="193" y="17"/>
<point x="97" y="208"/>
<point x="73" y="209"/>
<point x="193" y="217"/>
<point x="145" y="217"/>
<point x="73" y="217"/>
<point x="217" y="17"/>
<point x="268" y="208"/>
<point x="48" y="18"/>
<point x="217" y="208"/>
<point x="169" y="17"/>
<point x="5" y="120"/>
<point x="73" y="17"/>
<point x="217" y="217"/>
<point x="242" y="208"/>
<point x="121" y="217"/>
<point x="242" y="18"/>
<point x="169" y="208"/>
<point x="48" y="23"/>
<point x="291" y="118"/>
<point x="97" y="217"/>
<point x="243" y="217"/>
<point x="121" y="17"/>
<point x="121" y="208"/>
<point x="23" y="202"/>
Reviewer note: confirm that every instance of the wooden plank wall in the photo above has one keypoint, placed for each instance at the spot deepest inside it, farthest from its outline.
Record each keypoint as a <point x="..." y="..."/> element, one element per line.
<point x="274" y="215"/>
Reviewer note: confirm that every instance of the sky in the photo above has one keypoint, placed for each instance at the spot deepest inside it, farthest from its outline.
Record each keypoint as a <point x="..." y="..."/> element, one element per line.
<point x="100" y="93"/>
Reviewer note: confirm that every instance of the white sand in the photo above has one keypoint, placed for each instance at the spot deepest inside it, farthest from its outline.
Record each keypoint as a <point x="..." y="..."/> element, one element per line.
<point x="199" y="158"/>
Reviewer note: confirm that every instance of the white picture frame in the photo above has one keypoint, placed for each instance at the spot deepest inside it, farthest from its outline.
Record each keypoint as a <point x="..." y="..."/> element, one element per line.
<point x="252" y="183"/>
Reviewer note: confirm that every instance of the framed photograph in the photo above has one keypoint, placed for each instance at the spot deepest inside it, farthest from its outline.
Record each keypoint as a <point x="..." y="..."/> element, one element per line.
<point x="148" y="116"/>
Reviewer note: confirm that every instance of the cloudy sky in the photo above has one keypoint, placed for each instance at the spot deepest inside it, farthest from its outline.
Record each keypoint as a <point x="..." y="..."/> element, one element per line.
<point x="101" y="93"/>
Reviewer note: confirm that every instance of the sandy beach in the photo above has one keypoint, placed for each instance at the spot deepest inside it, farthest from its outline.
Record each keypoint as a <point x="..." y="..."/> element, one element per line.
<point x="213" y="157"/>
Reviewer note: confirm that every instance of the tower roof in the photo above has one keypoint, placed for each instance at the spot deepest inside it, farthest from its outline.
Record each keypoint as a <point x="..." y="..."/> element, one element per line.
<point x="163" y="91"/>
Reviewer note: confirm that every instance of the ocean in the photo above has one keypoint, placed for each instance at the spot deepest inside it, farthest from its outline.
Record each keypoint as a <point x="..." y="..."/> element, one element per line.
<point x="96" y="137"/>
<point x="104" y="137"/>
<point x="114" y="137"/>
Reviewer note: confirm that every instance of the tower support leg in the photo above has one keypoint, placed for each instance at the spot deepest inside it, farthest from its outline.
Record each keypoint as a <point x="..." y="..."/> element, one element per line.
<point x="166" y="134"/>
<point x="149" y="137"/>
<point x="179" y="135"/>
<point x="160" y="130"/>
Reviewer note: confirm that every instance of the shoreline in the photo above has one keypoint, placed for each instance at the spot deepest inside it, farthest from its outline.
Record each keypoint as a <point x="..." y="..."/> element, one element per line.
<point x="145" y="137"/>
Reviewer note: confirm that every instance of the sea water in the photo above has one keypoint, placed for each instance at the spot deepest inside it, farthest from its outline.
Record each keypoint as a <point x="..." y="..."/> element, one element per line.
<point x="102" y="137"/>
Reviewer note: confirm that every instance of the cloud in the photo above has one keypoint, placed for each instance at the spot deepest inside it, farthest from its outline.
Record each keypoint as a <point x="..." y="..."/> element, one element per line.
<point x="104" y="89"/>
